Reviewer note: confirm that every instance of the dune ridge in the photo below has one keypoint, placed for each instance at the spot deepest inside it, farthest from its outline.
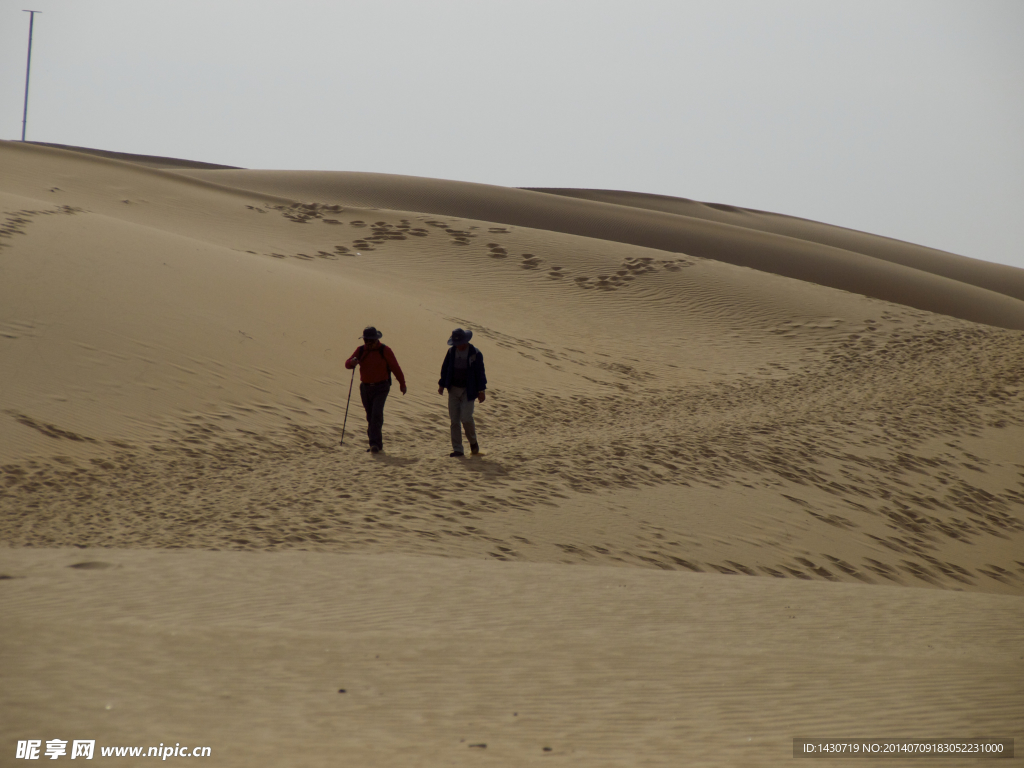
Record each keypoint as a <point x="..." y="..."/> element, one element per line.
<point x="150" y="161"/>
<point x="981" y="292"/>
<point x="993" y="277"/>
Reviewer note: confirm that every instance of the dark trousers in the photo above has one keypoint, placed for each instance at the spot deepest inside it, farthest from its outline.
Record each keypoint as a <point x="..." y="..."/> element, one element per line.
<point x="373" y="396"/>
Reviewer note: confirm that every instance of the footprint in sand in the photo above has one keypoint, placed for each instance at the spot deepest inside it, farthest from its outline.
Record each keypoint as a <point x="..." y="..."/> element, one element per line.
<point x="583" y="282"/>
<point x="639" y="266"/>
<point x="459" y="236"/>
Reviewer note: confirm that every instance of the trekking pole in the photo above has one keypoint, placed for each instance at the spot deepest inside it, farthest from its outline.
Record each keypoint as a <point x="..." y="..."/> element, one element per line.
<point x="346" y="407"/>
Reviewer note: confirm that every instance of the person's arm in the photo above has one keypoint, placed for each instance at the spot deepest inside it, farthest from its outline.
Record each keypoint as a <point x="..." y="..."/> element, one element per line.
<point x="389" y="354"/>
<point x="354" y="360"/>
<point x="481" y="377"/>
<point x="444" y="372"/>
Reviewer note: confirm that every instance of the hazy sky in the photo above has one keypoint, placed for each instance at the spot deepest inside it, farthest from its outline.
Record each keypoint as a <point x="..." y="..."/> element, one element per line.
<point x="903" y="118"/>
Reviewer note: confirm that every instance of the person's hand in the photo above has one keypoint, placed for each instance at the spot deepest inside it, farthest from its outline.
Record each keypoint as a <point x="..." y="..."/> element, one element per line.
<point x="404" y="389"/>
<point x="440" y="390"/>
<point x="481" y="396"/>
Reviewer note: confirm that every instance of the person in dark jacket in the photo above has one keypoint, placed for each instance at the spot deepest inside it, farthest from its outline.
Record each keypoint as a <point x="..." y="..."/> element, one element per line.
<point x="376" y="364"/>
<point x="462" y="374"/>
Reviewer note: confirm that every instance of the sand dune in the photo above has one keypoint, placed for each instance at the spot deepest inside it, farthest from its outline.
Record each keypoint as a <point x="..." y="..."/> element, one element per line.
<point x="663" y="423"/>
<point x="993" y="277"/>
<point x="831" y="256"/>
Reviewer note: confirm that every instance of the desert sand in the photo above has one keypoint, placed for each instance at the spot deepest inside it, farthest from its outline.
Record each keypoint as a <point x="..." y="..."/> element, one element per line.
<point x="745" y="477"/>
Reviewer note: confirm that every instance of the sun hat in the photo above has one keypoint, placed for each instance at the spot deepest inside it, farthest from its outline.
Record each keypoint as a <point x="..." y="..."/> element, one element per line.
<point x="459" y="336"/>
<point x="370" y="334"/>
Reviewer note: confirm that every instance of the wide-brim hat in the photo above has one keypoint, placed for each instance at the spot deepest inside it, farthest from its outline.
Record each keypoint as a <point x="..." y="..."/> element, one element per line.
<point x="370" y="334"/>
<point x="459" y="336"/>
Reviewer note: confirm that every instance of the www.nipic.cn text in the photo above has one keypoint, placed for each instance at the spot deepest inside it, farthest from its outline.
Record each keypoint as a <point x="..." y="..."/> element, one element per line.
<point x="52" y="749"/>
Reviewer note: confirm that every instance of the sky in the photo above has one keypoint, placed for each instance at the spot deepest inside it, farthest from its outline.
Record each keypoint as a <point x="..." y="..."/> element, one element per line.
<point x="903" y="118"/>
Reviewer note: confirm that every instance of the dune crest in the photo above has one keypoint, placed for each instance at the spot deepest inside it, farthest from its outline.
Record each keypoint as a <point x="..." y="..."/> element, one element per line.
<point x="993" y="277"/>
<point x="817" y="253"/>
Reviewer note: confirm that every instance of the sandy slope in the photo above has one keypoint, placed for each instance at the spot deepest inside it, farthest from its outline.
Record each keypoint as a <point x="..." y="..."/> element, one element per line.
<point x="246" y="653"/>
<point x="851" y="261"/>
<point x="993" y="277"/>
<point x="172" y="378"/>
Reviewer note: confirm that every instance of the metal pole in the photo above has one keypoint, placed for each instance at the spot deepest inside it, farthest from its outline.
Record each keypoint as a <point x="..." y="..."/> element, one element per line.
<point x="346" y="406"/>
<point x="28" y="69"/>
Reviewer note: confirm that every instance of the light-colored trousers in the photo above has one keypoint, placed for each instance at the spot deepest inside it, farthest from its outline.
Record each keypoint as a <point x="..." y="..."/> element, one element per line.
<point x="460" y="410"/>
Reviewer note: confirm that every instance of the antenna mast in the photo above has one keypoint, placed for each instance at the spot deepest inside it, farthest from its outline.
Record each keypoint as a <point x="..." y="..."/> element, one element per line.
<point x="28" y="69"/>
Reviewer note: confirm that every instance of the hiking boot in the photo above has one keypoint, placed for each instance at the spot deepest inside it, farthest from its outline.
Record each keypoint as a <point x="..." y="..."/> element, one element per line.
<point x="455" y="454"/>
<point x="474" y="448"/>
<point x="375" y="449"/>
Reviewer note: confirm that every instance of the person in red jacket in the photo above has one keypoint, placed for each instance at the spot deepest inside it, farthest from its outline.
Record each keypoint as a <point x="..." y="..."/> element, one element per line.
<point x="376" y="364"/>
